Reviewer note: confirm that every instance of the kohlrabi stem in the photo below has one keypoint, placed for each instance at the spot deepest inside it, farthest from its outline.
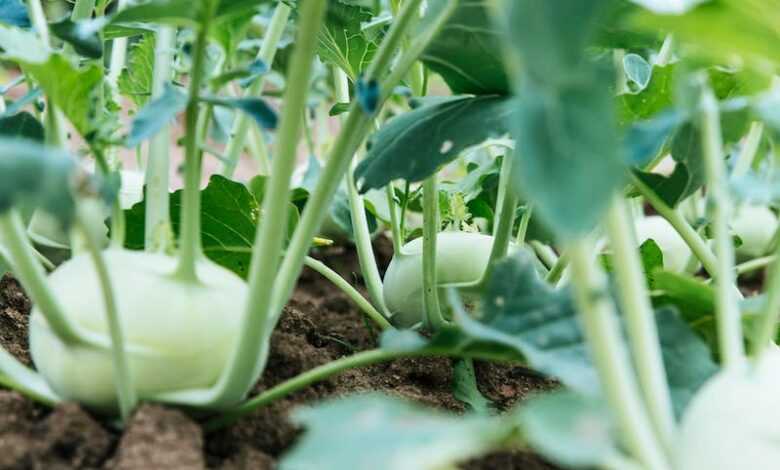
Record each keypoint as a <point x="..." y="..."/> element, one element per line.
<point x="243" y="122"/>
<point x="749" y="149"/>
<point x="360" y="230"/>
<point x="694" y="241"/>
<point x="259" y="150"/>
<point x="125" y="388"/>
<point x="434" y="320"/>
<point x="395" y="223"/>
<point x="525" y="219"/>
<point x="190" y="238"/>
<point x="350" y="291"/>
<point x="247" y="361"/>
<point x="557" y="269"/>
<point x="33" y="277"/>
<point x="118" y="56"/>
<point x="505" y="214"/>
<point x="665" y="53"/>
<point x="82" y="10"/>
<point x="640" y="320"/>
<point x="17" y="376"/>
<point x="767" y="329"/>
<point x="754" y="264"/>
<point x="299" y="382"/>
<point x="352" y="133"/>
<point x="604" y="339"/>
<point x="38" y="19"/>
<point x="720" y="210"/>
<point x="158" y="230"/>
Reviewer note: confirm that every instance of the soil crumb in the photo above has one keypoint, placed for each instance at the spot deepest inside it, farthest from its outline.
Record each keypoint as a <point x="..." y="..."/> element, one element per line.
<point x="319" y="325"/>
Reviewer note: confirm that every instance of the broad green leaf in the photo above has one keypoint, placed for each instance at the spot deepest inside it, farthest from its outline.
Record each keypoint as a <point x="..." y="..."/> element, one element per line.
<point x="342" y="41"/>
<point x="257" y="108"/>
<point x="22" y="125"/>
<point x="181" y="12"/>
<point x="372" y="432"/>
<point x="22" y="45"/>
<point x="229" y="215"/>
<point x="464" y="388"/>
<point x="135" y="82"/>
<point x="569" y="160"/>
<point x="467" y="52"/>
<point x="726" y="29"/>
<point x="674" y="188"/>
<point x="156" y="115"/>
<point x="38" y="175"/>
<point x="416" y="144"/>
<point x="644" y="140"/>
<point x="84" y="36"/>
<point x="657" y="96"/>
<point x="14" y="13"/>
<point x="571" y="430"/>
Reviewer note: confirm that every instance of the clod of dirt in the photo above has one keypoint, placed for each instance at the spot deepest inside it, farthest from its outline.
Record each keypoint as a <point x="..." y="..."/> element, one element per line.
<point x="158" y="437"/>
<point x="14" y="312"/>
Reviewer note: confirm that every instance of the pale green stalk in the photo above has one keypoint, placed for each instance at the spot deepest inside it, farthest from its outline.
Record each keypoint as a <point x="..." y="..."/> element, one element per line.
<point x="749" y="149"/>
<point x="357" y="208"/>
<point x="157" y="235"/>
<point x="506" y="206"/>
<point x="665" y="53"/>
<point x="434" y="320"/>
<point x="766" y="333"/>
<point x="243" y="122"/>
<point x="602" y="331"/>
<point x="720" y="210"/>
<point x="525" y="219"/>
<point x="640" y="320"/>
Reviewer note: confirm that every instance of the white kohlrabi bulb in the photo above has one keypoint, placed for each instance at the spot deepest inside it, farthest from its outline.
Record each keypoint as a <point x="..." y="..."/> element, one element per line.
<point x="179" y="334"/>
<point x="461" y="257"/>
<point x="755" y="226"/>
<point x="734" y="420"/>
<point x="676" y="252"/>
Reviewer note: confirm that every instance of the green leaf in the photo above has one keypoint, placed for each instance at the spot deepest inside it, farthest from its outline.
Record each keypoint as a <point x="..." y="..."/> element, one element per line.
<point x="229" y="215"/>
<point x="342" y="41"/>
<point x="22" y="125"/>
<point x="38" y="175"/>
<point x="569" y="160"/>
<point x="372" y="432"/>
<point x="652" y="257"/>
<point x="135" y="82"/>
<point x="245" y="75"/>
<point x="156" y="115"/>
<point x="655" y="97"/>
<point x="84" y="36"/>
<point x="467" y="52"/>
<point x="672" y="189"/>
<point x="256" y="108"/>
<point x="464" y="388"/>
<point x="571" y="430"/>
<point x="416" y="144"/>
<point x="644" y="140"/>
<point x="22" y="46"/>
<point x="14" y="13"/>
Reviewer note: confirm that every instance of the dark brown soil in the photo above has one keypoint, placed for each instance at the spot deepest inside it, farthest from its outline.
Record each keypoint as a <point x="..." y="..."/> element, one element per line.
<point x="319" y="325"/>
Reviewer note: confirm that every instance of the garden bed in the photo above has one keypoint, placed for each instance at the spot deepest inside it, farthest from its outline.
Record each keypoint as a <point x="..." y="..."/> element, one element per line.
<point x="319" y="325"/>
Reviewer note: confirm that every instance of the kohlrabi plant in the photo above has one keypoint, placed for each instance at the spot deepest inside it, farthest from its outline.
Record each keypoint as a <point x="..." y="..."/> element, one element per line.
<point x="574" y="186"/>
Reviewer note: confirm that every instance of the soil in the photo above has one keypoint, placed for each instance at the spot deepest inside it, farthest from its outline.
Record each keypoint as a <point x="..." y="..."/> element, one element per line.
<point x="319" y="325"/>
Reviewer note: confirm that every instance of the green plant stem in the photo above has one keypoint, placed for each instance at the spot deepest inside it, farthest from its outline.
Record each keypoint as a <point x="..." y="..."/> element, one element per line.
<point x="82" y="10"/>
<point x="694" y="241"/>
<point x="754" y="264"/>
<point x="665" y="53"/>
<point x="302" y="381"/>
<point x="719" y="206"/>
<point x="17" y="376"/>
<point x="33" y="278"/>
<point x="158" y="219"/>
<point x="122" y="375"/>
<point x="190" y="238"/>
<point x="544" y="253"/>
<point x="434" y="320"/>
<point x="243" y="122"/>
<point x="395" y="223"/>
<point x="640" y="320"/>
<point x="259" y="150"/>
<point x="360" y="230"/>
<point x="505" y="215"/>
<point x="353" y="132"/>
<point x="38" y="19"/>
<point x="749" y="149"/>
<point x="249" y="355"/>
<point x="602" y="331"/>
<point x="350" y="291"/>
<point x="557" y="269"/>
<point x="767" y="331"/>
<point x="522" y="230"/>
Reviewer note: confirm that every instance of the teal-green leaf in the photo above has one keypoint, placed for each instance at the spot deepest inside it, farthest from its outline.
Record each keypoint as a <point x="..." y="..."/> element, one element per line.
<point x="22" y="125"/>
<point x="156" y="115"/>
<point x="14" y="13"/>
<point x="465" y="389"/>
<point x="467" y="52"/>
<point x="256" y="108"/>
<point x="373" y="432"/>
<point x="416" y="144"/>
